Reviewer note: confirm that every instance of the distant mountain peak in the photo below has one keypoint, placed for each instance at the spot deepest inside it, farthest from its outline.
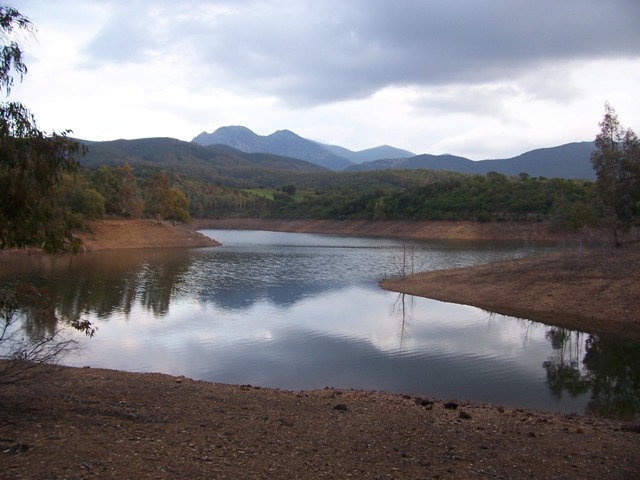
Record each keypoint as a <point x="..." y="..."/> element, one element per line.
<point x="288" y="143"/>
<point x="565" y="161"/>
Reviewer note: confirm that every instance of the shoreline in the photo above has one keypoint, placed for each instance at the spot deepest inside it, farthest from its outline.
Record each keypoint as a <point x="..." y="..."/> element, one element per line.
<point x="87" y="423"/>
<point x="526" y="232"/>
<point x="592" y="290"/>
<point x="115" y="234"/>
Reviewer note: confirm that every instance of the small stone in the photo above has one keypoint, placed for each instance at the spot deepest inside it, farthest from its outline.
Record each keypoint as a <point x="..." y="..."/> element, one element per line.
<point x="450" y="405"/>
<point x="464" y="415"/>
<point x="341" y="407"/>
<point x="631" y="427"/>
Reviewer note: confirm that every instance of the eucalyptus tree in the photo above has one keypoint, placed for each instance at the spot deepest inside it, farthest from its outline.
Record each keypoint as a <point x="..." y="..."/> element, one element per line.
<point x="616" y="161"/>
<point x="32" y="163"/>
<point x="33" y="167"/>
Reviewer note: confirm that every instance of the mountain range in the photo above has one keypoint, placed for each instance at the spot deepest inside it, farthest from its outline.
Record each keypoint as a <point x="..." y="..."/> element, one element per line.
<point x="288" y="144"/>
<point x="565" y="161"/>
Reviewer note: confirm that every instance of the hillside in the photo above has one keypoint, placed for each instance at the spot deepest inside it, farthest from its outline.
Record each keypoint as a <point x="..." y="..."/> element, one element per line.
<point x="282" y="142"/>
<point x="240" y="154"/>
<point x="566" y="161"/>
<point x="219" y="163"/>
<point x="369" y="154"/>
<point x="571" y="161"/>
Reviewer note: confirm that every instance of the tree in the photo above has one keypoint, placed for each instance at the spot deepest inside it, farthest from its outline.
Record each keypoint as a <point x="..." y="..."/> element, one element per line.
<point x="155" y="192"/>
<point x="178" y="206"/>
<point x="32" y="164"/>
<point x="128" y="202"/>
<point x="163" y="202"/>
<point x="79" y="201"/>
<point x="616" y="161"/>
<point x="106" y="184"/>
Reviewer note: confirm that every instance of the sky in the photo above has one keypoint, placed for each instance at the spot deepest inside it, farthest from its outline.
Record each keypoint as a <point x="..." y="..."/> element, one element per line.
<point x="477" y="78"/>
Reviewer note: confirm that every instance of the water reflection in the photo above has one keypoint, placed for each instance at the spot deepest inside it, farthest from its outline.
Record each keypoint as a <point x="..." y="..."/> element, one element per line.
<point x="303" y="312"/>
<point x="105" y="283"/>
<point x="604" y="367"/>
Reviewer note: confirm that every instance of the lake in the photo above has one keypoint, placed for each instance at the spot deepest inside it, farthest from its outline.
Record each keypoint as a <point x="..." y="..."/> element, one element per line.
<point x="304" y="311"/>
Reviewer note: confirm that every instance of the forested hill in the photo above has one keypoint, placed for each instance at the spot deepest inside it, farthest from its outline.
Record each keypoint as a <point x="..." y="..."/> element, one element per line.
<point x="218" y="163"/>
<point x="227" y="165"/>
<point x="566" y="161"/>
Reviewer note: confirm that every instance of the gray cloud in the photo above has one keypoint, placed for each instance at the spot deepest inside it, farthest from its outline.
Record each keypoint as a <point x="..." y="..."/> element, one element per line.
<point x="351" y="49"/>
<point x="309" y="53"/>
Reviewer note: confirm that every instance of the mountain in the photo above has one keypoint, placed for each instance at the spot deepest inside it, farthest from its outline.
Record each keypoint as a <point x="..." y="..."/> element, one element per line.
<point x="230" y="165"/>
<point x="218" y="163"/>
<point x="289" y="144"/>
<point x="565" y="161"/>
<point x="283" y="142"/>
<point x="370" y="154"/>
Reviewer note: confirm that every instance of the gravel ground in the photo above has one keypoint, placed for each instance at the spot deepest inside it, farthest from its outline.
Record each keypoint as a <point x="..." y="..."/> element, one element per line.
<point x="87" y="423"/>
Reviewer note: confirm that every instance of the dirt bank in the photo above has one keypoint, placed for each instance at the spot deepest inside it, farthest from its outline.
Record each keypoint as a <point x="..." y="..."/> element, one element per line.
<point x="90" y="423"/>
<point x="594" y="290"/>
<point x="115" y="234"/>
<point x="512" y="231"/>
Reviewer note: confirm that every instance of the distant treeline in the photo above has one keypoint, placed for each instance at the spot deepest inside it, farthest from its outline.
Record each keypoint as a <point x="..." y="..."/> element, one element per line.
<point x="452" y="196"/>
<point x="378" y="195"/>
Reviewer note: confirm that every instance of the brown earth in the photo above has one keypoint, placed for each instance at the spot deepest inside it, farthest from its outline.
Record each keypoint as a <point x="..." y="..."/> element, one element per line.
<point x="510" y="231"/>
<point x="89" y="423"/>
<point x="593" y="290"/>
<point x="130" y="233"/>
<point x="86" y="423"/>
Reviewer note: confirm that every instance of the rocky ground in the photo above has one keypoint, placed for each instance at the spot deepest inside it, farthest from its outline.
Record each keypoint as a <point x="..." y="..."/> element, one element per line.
<point x="87" y="423"/>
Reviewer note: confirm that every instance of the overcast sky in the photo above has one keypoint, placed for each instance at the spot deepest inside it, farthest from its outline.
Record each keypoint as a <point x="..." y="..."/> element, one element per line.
<point x="481" y="79"/>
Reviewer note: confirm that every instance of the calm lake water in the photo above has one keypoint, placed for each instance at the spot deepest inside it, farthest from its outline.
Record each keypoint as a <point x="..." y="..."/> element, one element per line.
<point x="302" y="311"/>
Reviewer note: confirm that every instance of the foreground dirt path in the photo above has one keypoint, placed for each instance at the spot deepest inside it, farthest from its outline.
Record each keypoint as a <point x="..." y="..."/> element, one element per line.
<point x="595" y="291"/>
<point x="89" y="423"/>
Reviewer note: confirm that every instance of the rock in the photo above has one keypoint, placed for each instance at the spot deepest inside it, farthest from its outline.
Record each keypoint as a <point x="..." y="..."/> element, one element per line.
<point x="423" y="402"/>
<point x="631" y="427"/>
<point x="450" y="405"/>
<point x="341" y="407"/>
<point x="464" y="415"/>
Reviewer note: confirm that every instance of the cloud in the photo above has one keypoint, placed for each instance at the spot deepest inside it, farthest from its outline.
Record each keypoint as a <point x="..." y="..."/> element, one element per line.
<point x="309" y="53"/>
<point x="426" y="75"/>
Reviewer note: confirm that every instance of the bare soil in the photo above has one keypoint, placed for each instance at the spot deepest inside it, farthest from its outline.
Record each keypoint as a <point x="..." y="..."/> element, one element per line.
<point x="87" y="423"/>
<point x="490" y="231"/>
<point x="69" y="423"/>
<point x="593" y="290"/>
<point x="131" y="233"/>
